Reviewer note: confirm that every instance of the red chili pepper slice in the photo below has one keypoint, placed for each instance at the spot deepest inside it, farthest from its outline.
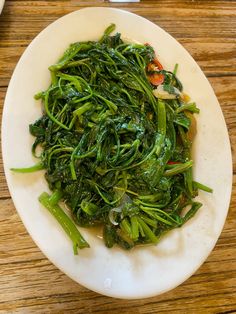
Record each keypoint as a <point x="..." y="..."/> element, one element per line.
<point x="151" y="67"/>
<point x="173" y="162"/>
<point x="156" y="79"/>
<point x="158" y="64"/>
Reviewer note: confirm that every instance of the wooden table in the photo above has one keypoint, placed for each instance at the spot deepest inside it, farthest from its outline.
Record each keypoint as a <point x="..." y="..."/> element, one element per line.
<point x="29" y="283"/>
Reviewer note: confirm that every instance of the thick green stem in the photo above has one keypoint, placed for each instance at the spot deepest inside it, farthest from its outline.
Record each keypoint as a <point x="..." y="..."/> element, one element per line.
<point x="65" y="222"/>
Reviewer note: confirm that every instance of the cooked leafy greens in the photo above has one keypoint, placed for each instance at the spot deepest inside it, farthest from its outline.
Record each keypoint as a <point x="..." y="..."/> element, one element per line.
<point x="115" y="139"/>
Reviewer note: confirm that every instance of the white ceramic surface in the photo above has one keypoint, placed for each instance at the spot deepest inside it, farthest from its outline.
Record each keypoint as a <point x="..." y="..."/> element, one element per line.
<point x="144" y="271"/>
<point x="1" y="5"/>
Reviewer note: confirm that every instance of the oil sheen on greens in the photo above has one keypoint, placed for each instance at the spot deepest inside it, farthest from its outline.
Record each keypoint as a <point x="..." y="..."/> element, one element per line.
<point x="115" y="147"/>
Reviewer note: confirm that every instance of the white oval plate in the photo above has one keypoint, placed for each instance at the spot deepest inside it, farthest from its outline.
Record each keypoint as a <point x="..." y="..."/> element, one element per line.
<point x="145" y="271"/>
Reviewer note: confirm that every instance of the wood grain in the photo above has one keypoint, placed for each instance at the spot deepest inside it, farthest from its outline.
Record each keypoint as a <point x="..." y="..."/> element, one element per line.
<point x="29" y="282"/>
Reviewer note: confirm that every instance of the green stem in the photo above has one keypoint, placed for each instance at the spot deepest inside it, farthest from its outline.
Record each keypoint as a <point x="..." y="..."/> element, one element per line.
<point x="202" y="187"/>
<point x="175" y="69"/>
<point x="161" y="117"/>
<point x="66" y="223"/>
<point x="148" y="232"/>
<point x="55" y="197"/>
<point x="134" y="228"/>
<point x="36" y="167"/>
<point x="178" y="168"/>
<point x="190" y="107"/>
